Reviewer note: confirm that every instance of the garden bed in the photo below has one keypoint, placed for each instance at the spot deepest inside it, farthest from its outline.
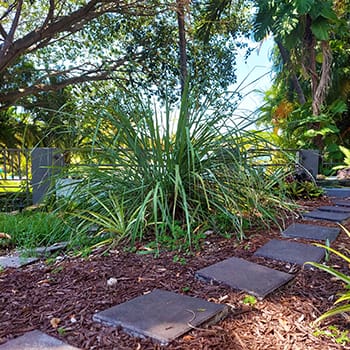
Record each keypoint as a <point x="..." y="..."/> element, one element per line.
<point x="60" y="298"/>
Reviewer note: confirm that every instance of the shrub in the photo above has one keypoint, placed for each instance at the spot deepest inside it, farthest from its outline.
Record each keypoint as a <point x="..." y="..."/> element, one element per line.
<point x="169" y="173"/>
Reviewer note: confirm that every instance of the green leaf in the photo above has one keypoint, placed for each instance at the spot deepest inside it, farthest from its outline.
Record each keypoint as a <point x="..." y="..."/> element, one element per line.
<point x="344" y="297"/>
<point x="331" y="271"/>
<point x="345" y="151"/>
<point x="338" y="106"/>
<point x="333" y="312"/>
<point x="328" y="13"/>
<point x="329" y="130"/>
<point x="344" y="257"/>
<point x="332" y="148"/>
<point x="304" y="6"/>
<point x="345" y="230"/>
<point x="311" y="133"/>
<point x="320" y="28"/>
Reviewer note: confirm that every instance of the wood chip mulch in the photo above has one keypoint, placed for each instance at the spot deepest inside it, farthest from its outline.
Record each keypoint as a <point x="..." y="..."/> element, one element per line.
<point x="61" y="298"/>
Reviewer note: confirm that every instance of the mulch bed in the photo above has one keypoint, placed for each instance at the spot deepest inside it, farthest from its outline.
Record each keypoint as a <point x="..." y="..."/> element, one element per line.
<point x="61" y="298"/>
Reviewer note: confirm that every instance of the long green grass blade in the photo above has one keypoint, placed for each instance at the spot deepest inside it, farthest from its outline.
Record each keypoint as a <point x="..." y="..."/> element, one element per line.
<point x="344" y="257"/>
<point x="333" y="312"/>
<point x="331" y="271"/>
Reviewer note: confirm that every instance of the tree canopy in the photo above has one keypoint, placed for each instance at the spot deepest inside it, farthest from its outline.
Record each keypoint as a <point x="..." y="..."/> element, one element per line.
<point x="308" y="103"/>
<point x="150" y="47"/>
<point x="47" y="45"/>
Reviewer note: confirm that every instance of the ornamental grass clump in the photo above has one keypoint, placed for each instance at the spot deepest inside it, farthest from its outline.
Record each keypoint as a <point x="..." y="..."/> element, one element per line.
<point x="164" y="173"/>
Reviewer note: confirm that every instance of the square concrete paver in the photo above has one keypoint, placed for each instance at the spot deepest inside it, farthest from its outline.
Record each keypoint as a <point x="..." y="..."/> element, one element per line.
<point x="313" y="232"/>
<point x="342" y="202"/>
<point x="326" y="215"/>
<point x="43" y="251"/>
<point x="161" y="315"/>
<point x="15" y="261"/>
<point x="244" y="275"/>
<point x="36" y="340"/>
<point x="341" y="192"/>
<point x="334" y="209"/>
<point x="292" y="252"/>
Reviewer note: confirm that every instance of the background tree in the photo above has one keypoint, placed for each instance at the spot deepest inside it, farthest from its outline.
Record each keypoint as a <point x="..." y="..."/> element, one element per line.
<point x="32" y="29"/>
<point x="134" y="46"/>
<point x="316" y="39"/>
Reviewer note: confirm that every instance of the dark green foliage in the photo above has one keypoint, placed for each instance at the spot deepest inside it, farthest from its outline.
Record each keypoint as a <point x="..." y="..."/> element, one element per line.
<point x="169" y="180"/>
<point x="303" y="189"/>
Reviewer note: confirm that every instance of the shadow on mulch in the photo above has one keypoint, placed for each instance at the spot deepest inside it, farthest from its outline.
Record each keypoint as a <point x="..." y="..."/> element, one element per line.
<point x="61" y="299"/>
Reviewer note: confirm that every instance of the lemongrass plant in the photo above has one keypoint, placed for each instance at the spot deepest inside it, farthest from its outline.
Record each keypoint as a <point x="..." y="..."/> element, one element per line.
<point x="184" y="168"/>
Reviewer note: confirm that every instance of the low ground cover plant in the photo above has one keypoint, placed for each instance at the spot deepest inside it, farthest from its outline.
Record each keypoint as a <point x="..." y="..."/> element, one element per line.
<point x="31" y="229"/>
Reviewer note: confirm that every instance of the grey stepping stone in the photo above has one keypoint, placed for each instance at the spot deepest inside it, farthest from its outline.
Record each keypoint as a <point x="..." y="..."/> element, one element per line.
<point x="36" y="340"/>
<point x="292" y="252"/>
<point x="341" y="192"/>
<point x="15" y="261"/>
<point x="326" y="215"/>
<point x="314" y="232"/>
<point x="161" y="315"/>
<point x="43" y="251"/>
<point x="334" y="209"/>
<point x="244" y="275"/>
<point x="342" y="202"/>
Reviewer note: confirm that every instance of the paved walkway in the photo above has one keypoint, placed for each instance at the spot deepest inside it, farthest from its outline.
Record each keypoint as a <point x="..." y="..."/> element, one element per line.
<point x="164" y="316"/>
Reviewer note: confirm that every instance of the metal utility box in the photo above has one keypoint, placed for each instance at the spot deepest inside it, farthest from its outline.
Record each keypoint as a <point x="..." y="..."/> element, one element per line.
<point x="310" y="160"/>
<point x="46" y="162"/>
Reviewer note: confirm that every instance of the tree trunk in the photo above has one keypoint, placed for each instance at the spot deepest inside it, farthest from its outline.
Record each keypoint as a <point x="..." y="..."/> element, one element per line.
<point x="319" y="82"/>
<point x="182" y="43"/>
<point x="320" y="95"/>
<point x="295" y="81"/>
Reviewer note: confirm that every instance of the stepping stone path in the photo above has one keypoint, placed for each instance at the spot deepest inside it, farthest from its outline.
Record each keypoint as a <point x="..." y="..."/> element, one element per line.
<point x="292" y="252"/>
<point x="43" y="251"/>
<point x="311" y="232"/>
<point x="36" y="340"/>
<point x="15" y="261"/>
<point x="161" y="315"/>
<point x="335" y="209"/>
<point x="18" y="260"/>
<point x="240" y="274"/>
<point x="342" y="202"/>
<point x="326" y="215"/>
<point x="164" y="316"/>
<point x="342" y="192"/>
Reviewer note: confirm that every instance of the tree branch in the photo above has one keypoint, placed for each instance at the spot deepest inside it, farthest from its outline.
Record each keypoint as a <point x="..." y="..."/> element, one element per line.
<point x="97" y="74"/>
<point x="3" y="31"/>
<point x="50" y="13"/>
<point x="9" y="38"/>
<point x="10" y="98"/>
<point x="70" y="23"/>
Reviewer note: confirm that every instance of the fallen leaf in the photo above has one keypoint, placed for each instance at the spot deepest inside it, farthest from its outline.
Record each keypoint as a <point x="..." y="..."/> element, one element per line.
<point x="55" y="321"/>
<point x="4" y="235"/>
<point x="188" y="337"/>
<point x="284" y="325"/>
<point x="45" y="281"/>
<point x="301" y="318"/>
